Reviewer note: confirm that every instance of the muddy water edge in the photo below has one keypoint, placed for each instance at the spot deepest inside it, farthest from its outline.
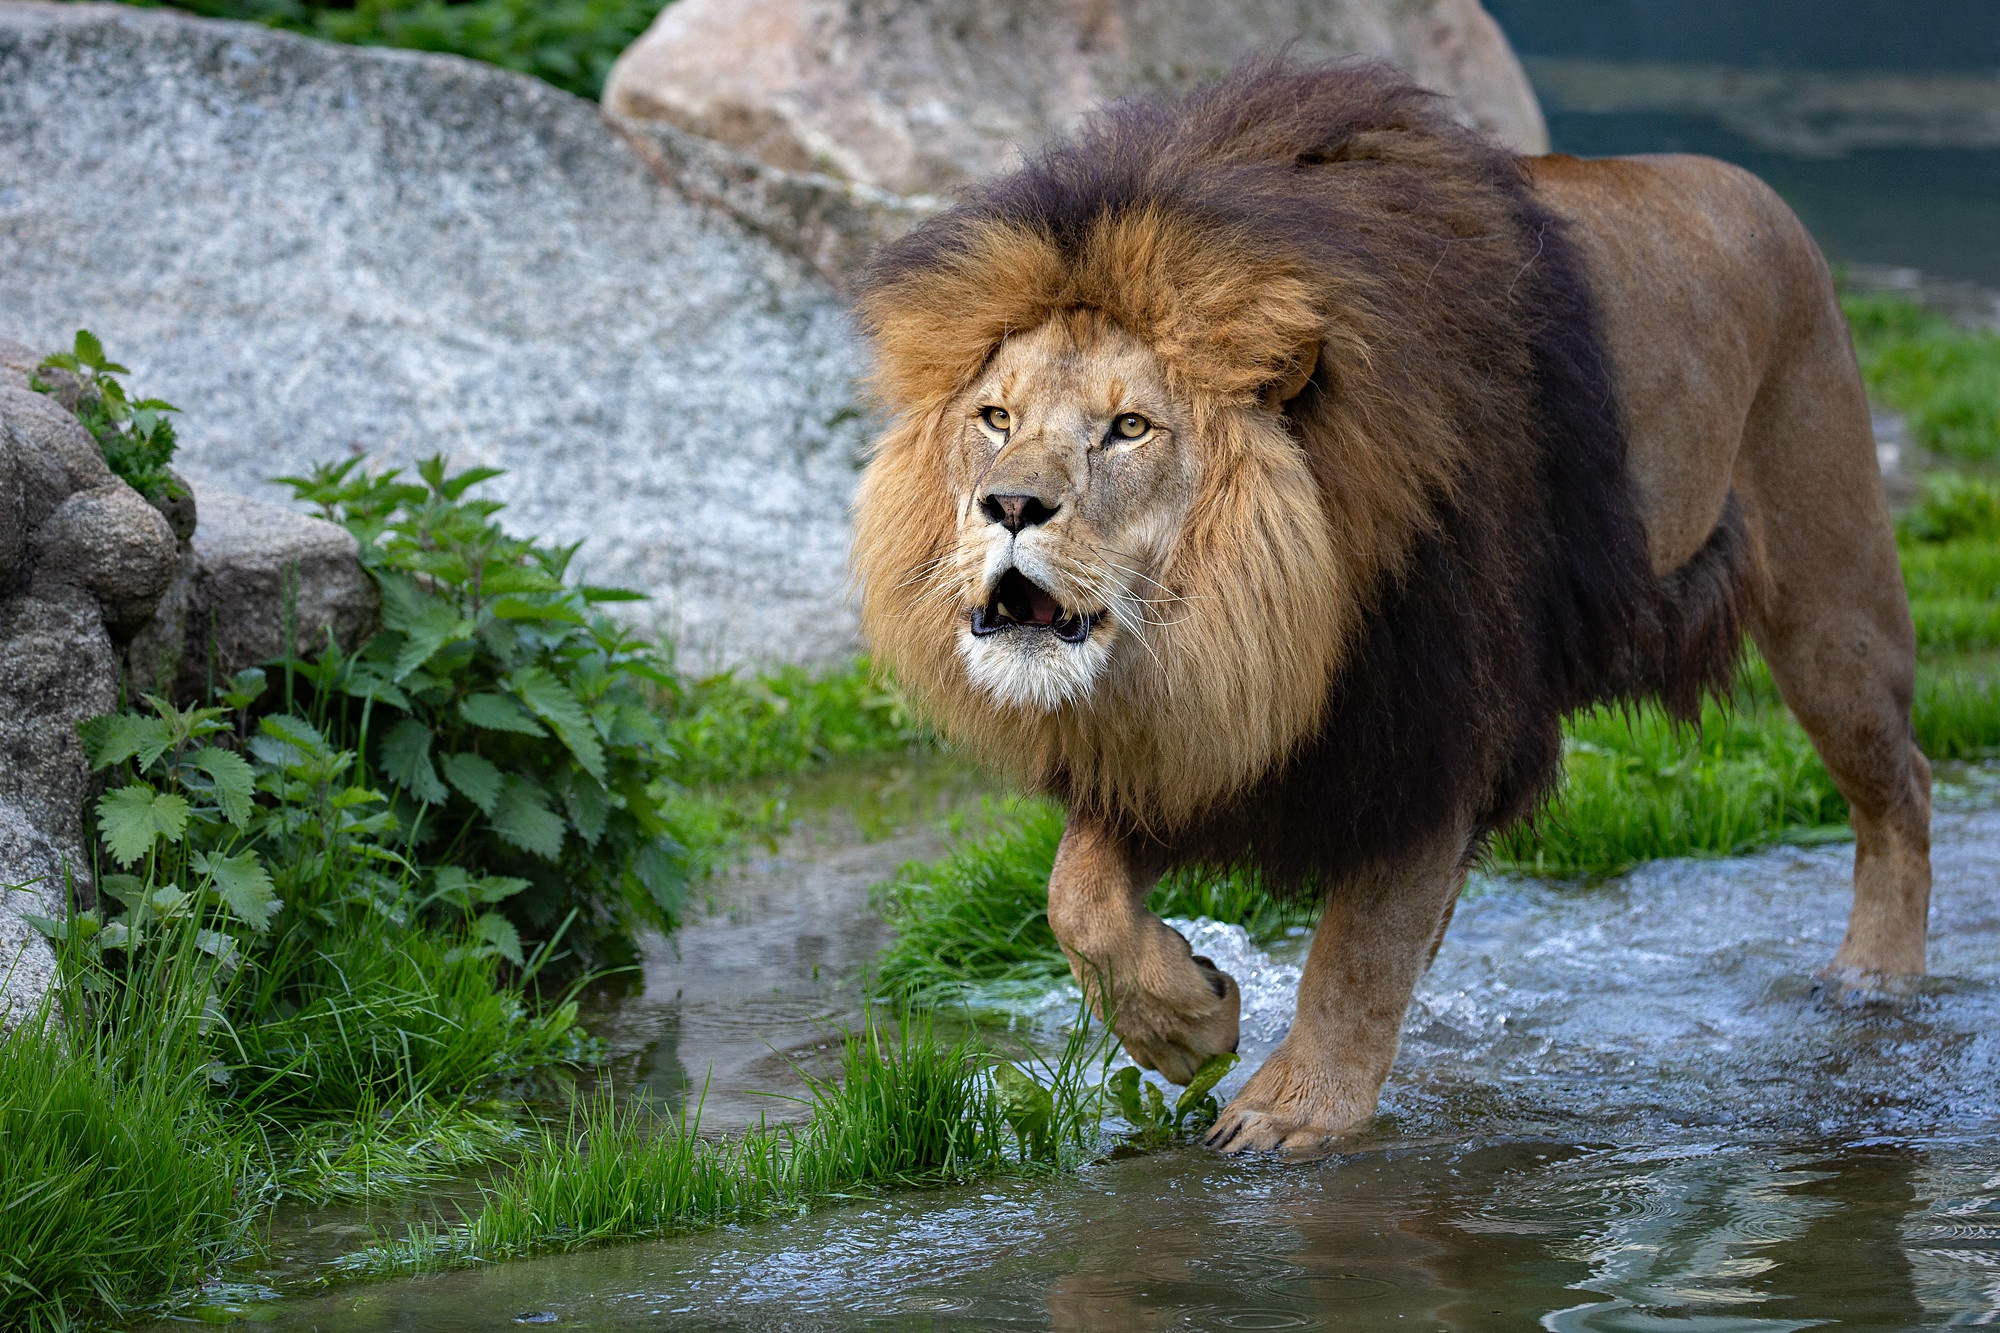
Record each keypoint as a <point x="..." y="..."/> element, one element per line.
<point x="1621" y="1107"/>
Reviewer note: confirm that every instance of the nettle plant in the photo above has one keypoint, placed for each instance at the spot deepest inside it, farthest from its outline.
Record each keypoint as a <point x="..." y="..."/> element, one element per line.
<point x="136" y="437"/>
<point x="505" y="714"/>
<point x="224" y="820"/>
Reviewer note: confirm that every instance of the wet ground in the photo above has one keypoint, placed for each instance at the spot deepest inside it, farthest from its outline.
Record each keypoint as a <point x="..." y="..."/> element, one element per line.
<point x="1620" y="1107"/>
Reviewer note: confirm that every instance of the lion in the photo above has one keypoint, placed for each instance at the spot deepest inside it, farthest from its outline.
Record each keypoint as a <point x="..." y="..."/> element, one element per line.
<point x="1271" y="469"/>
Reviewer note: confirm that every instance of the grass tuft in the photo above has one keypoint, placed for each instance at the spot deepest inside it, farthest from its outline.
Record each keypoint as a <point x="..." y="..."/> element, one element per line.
<point x="911" y="1110"/>
<point x="119" y="1179"/>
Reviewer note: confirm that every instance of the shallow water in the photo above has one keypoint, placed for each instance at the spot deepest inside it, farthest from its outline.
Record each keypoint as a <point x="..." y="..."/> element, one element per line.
<point x="1616" y="1108"/>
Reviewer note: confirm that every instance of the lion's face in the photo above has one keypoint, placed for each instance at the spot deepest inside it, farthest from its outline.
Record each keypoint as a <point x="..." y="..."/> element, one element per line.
<point x="1073" y="468"/>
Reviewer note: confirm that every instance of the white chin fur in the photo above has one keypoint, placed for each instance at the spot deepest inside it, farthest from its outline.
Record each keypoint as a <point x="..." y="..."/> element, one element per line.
<point x="1033" y="669"/>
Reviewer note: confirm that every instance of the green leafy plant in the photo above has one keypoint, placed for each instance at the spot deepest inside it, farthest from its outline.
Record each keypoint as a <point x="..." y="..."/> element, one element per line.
<point x="506" y="714"/>
<point x="1145" y="1108"/>
<point x="571" y="43"/>
<point x="136" y="437"/>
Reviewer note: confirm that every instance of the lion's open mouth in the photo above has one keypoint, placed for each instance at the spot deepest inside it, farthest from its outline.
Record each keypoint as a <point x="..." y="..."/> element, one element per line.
<point x="1019" y="603"/>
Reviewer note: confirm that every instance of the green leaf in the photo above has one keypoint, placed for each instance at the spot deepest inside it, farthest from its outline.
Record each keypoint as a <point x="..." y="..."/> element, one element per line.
<point x="457" y="485"/>
<point x="497" y="931"/>
<point x="522" y="608"/>
<point x="556" y="704"/>
<point x="426" y="623"/>
<point x="522" y="817"/>
<point x="234" y="782"/>
<point x="243" y="883"/>
<point x="221" y="947"/>
<point x="285" y="740"/>
<point x="497" y="712"/>
<point x="55" y="930"/>
<point x="661" y="866"/>
<point x="116" y="737"/>
<point x="365" y="682"/>
<point x="497" y="888"/>
<point x="1124" y="1088"/>
<point x="1028" y="1108"/>
<point x="131" y="818"/>
<point x="245" y="688"/>
<point x="127" y="889"/>
<point x="406" y="759"/>
<point x="593" y="593"/>
<point x="1196" y="1093"/>
<point x="89" y="350"/>
<point x="476" y="776"/>
<point x="588" y="804"/>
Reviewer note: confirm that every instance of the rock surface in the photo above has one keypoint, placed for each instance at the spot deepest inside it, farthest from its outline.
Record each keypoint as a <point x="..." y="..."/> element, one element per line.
<point x="313" y="249"/>
<point x="251" y="570"/>
<point x="82" y="559"/>
<point x="918" y="96"/>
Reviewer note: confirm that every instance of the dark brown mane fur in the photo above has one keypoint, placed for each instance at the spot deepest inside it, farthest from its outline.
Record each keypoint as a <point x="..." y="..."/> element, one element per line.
<point x="1461" y="425"/>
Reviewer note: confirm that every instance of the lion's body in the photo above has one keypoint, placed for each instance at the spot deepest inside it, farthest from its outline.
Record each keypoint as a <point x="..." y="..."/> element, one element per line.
<point x="1438" y="446"/>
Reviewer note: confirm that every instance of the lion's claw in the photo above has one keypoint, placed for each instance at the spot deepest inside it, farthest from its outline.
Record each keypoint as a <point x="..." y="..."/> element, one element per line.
<point x="1247" y="1131"/>
<point x="1288" y="1109"/>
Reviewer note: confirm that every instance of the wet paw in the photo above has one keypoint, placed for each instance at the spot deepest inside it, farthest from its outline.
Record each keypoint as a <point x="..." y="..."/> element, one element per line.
<point x="1176" y="1011"/>
<point x="1239" y="1129"/>
<point x="1848" y="987"/>
<point x="1298" y="1112"/>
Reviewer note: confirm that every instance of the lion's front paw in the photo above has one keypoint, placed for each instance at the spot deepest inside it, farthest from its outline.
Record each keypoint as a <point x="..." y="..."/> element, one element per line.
<point x="1175" y="1040"/>
<point x="1277" y="1111"/>
<point x="1173" y="1011"/>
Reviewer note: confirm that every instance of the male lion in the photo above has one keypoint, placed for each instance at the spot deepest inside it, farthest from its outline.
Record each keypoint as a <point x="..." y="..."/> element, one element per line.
<point x="1272" y="470"/>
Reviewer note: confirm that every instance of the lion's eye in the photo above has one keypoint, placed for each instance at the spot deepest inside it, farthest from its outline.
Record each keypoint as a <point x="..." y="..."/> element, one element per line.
<point x="1130" y="426"/>
<point x="998" y="418"/>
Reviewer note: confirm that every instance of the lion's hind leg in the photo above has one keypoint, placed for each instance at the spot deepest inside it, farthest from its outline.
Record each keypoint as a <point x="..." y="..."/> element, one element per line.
<point x="1833" y="622"/>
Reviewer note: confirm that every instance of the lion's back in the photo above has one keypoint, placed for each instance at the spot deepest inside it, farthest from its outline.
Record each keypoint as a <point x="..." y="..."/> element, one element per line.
<point x="1705" y="281"/>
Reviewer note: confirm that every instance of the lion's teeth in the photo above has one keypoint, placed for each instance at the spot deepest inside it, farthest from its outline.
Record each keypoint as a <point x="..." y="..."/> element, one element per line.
<point x="1000" y="609"/>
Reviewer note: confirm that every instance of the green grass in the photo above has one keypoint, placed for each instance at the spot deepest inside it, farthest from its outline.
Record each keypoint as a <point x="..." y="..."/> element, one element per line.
<point x="120" y="1179"/>
<point x="1638" y="787"/>
<point x="910" y="1110"/>
<point x="731" y="734"/>
<point x="1945" y="380"/>
<point x="384" y="1016"/>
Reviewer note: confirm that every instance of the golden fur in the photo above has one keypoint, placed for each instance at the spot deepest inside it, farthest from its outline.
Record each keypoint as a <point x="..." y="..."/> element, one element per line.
<point x="1193" y="715"/>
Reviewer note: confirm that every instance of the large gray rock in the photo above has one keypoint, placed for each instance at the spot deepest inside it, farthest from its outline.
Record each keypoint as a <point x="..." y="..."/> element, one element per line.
<point x="312" y="249"/>
<point x="251" y="571"/>
<point x="918" y="96"/>
<point x="83" y="560"/>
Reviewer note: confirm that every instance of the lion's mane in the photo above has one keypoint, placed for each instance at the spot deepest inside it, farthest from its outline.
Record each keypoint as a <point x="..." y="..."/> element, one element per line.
<point x="1387" y="596"/>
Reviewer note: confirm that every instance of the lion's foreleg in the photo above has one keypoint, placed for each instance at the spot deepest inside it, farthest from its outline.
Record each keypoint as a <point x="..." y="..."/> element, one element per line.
<point x="1375" y="939"/>
<point x="1171" y="1010"/>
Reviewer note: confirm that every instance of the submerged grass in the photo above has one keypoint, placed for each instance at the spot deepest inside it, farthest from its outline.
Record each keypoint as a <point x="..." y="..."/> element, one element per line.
<point x="910" y="1110"/>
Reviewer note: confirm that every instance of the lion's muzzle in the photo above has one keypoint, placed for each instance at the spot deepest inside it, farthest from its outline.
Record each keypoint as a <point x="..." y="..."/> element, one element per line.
<point x="1019" y="603"/>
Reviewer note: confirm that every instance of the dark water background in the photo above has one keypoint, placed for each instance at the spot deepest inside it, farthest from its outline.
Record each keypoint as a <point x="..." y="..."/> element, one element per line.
<point x="1930" y="207"/>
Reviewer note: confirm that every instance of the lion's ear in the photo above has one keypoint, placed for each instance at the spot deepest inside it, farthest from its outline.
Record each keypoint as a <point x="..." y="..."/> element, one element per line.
<point x="1292" y="380"/>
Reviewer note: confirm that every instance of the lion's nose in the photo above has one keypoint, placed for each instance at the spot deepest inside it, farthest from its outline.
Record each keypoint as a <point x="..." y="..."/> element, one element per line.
<point x="1015" y="512"/>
